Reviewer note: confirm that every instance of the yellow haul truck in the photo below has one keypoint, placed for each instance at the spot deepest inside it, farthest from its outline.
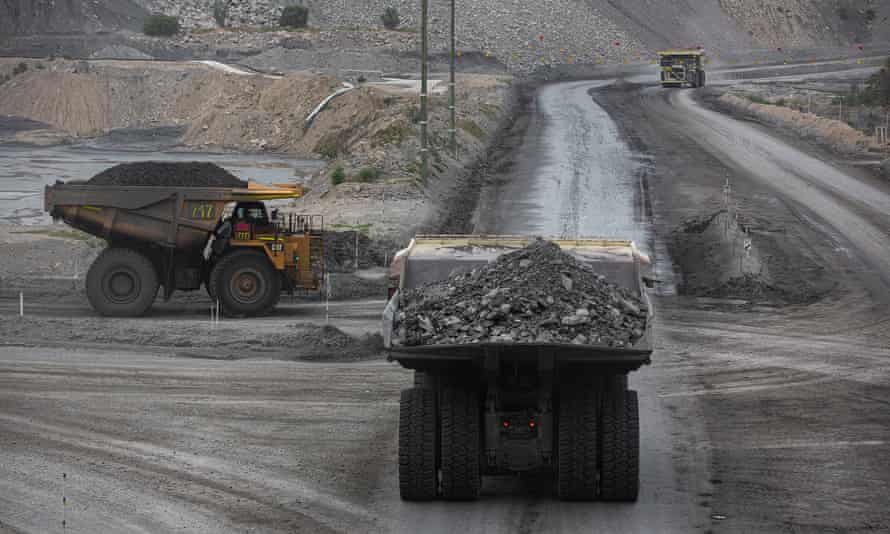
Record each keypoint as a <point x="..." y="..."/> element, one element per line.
<point x="682" y="67"/>
<point x="183" y="237"/>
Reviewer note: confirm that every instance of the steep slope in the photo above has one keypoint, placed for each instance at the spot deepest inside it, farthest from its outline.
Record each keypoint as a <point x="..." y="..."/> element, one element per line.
<point x="24" y="17"/>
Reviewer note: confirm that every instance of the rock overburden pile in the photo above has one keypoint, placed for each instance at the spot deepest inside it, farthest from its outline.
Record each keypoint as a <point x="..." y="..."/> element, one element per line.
<point x="539" y="294"/>
<point x="167" y="174"/>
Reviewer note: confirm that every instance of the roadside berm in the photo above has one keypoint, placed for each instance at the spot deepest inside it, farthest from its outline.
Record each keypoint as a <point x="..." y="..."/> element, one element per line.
<point x="539" y="294"/>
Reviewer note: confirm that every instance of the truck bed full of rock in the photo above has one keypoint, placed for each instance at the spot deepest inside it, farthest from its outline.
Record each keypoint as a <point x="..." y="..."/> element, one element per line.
<point x="539" y="294"/>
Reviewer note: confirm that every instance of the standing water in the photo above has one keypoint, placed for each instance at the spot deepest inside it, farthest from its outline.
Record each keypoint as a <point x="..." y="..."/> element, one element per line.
<point x="573" y="176"/>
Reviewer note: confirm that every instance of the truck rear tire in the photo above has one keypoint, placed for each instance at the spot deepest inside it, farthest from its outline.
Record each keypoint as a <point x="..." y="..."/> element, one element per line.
<point x="417" y="445"/>
<point x="246" y="283"/>
<point x="577" y="439"/>
<point x="702" y="79"/>
<point x="460" y="442"/>
<point x="122" y="283"/>
<point x="620" y="446"/>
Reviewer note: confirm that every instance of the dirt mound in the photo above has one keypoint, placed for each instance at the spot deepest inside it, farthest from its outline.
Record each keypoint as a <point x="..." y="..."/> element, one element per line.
<point x="76" y="103"/>
<point x="330" y="343"/>
<point x="539" y="294"/>
<point x="724" y="256"/>
<point x="167" y="174"/>
<point x="838" y="135"/>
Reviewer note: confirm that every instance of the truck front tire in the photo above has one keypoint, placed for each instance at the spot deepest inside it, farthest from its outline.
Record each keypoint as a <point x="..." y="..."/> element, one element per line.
<point x="418" y="471"/>
<point x="122" y="283"/>
<point x="460" y="419"/>
<point x="246" y="283"/>
<point x="577" y="438"/>
<point x="619" y="446"/>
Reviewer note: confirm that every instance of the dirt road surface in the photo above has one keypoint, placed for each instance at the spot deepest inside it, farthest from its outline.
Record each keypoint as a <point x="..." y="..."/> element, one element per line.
<point x="760" y="412"/>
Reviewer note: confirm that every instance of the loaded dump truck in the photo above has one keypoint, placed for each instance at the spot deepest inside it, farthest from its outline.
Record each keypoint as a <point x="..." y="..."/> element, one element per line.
<point x="181" y="238"/>
<point x="510" y="402"/>
<point x="682" y="67"/>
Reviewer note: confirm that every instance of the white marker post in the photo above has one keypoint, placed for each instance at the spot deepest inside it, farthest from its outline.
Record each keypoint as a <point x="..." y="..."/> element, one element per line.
<point x="21" y="304"/>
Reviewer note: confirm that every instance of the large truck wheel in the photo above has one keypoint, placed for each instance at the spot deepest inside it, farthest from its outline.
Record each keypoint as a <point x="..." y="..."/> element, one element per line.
<point x="577" y="439"/>
<point x="122" y="283"/>
<point x="620" y="446"/>
<point x="417" y="445"/>
<point x="460" y="442"/>
<point x="246" y="283"/>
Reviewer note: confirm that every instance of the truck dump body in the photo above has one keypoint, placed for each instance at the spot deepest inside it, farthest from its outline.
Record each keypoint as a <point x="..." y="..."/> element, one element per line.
<point x="180" y="217"/>
<point x="430" y="259"/>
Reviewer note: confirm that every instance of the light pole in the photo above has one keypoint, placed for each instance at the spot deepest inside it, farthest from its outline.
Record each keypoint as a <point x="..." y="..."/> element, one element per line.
<point x="452" y="88"/>
<point x="424" y="74"/>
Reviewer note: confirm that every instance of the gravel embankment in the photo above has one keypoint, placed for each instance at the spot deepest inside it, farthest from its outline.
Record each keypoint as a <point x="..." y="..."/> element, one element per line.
<point x="540" y="294"/>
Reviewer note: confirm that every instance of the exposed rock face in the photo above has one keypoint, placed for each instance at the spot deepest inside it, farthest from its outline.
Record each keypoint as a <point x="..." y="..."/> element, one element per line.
<point x="22" y="17"/>
<point x="536" y="295"/>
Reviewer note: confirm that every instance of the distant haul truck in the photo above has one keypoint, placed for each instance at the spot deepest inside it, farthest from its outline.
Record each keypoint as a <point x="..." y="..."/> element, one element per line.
<point x="184" y="237"/>
<point x="682" y="68"/>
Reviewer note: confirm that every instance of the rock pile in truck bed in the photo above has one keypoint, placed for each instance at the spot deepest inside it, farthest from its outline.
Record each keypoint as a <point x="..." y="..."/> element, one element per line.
<point x="167" y="174"/>
<point x="539" y="294"/>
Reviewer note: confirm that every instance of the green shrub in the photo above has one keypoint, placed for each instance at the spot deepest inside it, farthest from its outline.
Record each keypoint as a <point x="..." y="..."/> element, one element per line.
<point x="757" y="99"/>
<point x="21" y="68"/>
<point x="294" y="17"/>
<point x="394" y="134"/>
<point x="338" y="176"/>
<point x="368" y="174"/>
<point x="870" y="15"/>
<point x="471" y="128"/>
<point x="221" y="12"/>
<point x="390" y="18"/>
<point x="328" y="149"/>
<point x="161" y="26"/>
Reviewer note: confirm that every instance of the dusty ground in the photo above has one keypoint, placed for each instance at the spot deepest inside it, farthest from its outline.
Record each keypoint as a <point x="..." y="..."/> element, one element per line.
<point x="758" y="415"/>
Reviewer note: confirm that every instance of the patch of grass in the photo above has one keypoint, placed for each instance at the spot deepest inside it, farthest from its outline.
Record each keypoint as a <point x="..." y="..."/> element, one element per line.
<point x="390" y="18"/>
<point x="21" y="68"/>
<point x="471" y="128"/>
<point x="393" y="134"/>
<point x="368" y="174"/>
<point x="490" y="110"/>
<point x="161" y="26"/>
<point x="221" y="12"/>
<point x="328" y="149"/>
<point x="294" y="17"/>
<point x="338" y="176"/>
<point x="757" y="99"/>
<point x="414" y="168"/>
